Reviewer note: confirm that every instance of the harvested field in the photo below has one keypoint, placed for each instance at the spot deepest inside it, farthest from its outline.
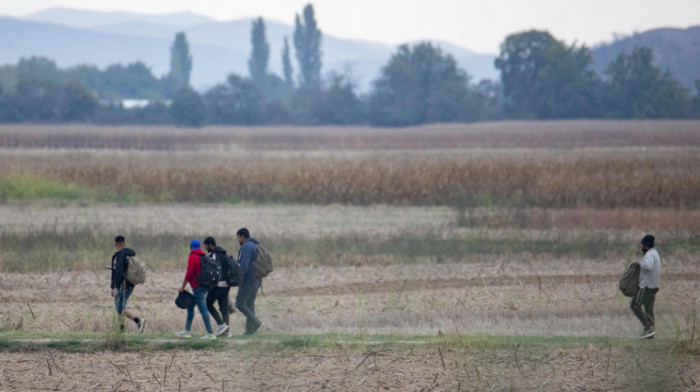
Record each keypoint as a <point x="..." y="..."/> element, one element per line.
<point x="593" y="368"/>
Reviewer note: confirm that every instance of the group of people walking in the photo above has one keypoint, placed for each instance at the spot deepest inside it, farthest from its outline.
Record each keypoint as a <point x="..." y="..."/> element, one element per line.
<point x="642" y="303"/>
<point x="204" y="297"/>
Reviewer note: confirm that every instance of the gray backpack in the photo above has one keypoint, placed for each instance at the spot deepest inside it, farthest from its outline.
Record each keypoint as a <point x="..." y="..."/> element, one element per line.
<point x="263" y="263"/>
<point x="136" y="271"/>
<point x="629" y="282"/>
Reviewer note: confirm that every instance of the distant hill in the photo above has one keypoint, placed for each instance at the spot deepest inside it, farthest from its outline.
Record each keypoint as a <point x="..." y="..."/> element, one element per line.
<point x="675" y="49"/>
<point x="76" y="37"/>
<point x="85" y="18"/>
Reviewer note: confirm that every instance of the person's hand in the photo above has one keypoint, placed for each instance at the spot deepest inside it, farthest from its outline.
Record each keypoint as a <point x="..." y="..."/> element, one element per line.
<point x="112" y="292"/>
<point x="181" y="290"/>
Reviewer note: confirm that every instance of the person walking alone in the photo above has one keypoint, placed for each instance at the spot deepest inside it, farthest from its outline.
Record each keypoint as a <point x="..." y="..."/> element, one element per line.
<point x="245" y="298"/>
<point x="120" y="288"/>
<point x="649" y="276"/>
<point x="194" y="268"/>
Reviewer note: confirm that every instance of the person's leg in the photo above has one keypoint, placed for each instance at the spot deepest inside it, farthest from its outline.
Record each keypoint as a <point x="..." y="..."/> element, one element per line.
<point x="120" y="298"/>
<point x="648" y="302"/>
<point x="200" y="299"/>
<point x="190" y="318"/>
<point x="254" y="324"/>
<point x="245" y="291"/>
<point x="636" y="306"/>
<point x="222" y="299"/>
<point x="211" y="298"/>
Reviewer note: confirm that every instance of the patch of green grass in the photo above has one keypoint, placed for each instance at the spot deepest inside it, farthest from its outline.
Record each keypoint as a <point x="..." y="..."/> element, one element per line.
<point x="29" y="187"/>
<point x="84" y="248"/>
<point x="90" y="342"/>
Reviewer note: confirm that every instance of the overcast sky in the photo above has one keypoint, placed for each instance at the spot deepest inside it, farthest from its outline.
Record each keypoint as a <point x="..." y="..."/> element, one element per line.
<point x="479" y="25"/>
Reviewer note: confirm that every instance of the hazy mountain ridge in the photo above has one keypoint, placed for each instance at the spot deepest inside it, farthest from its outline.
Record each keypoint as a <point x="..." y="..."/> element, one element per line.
<point x="72" y="37"/>
<point x="675" y="49"/>
<point x="218" y="48"/>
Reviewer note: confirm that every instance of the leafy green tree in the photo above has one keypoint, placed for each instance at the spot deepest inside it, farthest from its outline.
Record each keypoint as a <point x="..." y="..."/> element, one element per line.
<point x="39" y="68"/>
<point x="188" y="108"/>
<point x="307" y="42"/>
<point x="420" y="84"/>
<point x="287" y="64"/>
<point x="235" y="102"/>
<point x="543" y="77"/>
<point x="636" y="88"/>
<point x="37" y="100"/>
<point x="134" y="80"/>
<point x="340" y="104"/>
<point x="76" y="103"/>
<point x="260" y="54"/>
<point x="180" y="63"/>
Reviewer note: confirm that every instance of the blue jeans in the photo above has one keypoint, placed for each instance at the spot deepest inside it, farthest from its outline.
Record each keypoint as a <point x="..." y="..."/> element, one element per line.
<point x="200" y="300"/>
<point x="120" y="297"/>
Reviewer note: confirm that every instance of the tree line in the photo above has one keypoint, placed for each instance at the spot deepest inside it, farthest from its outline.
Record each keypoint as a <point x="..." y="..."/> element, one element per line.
<point x="540" y="78"/>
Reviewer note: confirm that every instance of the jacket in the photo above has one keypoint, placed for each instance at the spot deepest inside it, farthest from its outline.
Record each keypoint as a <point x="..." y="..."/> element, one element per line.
<point x="246" y="255"/>
<point x="120" y="263"/>
<point x="194" y="267"/>
<point x="650" y="273"/>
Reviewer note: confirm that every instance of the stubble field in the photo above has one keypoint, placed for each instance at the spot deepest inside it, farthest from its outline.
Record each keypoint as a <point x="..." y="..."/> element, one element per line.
<point x="478" y="257"/>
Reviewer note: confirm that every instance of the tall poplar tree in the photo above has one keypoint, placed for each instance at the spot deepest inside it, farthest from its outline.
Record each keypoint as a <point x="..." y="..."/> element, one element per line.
<point x="259" y="56"/>
<point x="287" y="64"/>
<point x="307" y="42"/>
<point x="180" y="62"/>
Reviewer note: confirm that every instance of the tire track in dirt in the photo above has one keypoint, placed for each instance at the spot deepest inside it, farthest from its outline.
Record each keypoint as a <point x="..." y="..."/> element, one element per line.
<point x="447" y="283"/>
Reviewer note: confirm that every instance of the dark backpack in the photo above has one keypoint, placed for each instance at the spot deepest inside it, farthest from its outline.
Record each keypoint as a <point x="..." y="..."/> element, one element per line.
<point x="629" y="282"/>
<point x="232" y="278"/>
<point x="211" y="272"/>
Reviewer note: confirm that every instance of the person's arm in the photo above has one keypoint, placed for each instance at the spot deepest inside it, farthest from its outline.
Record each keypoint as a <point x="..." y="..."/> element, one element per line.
<point x="647" y="262"/>
<point x="245" y="258"/>
<point x="118" y="272"/>
<point x="188" y="275"/>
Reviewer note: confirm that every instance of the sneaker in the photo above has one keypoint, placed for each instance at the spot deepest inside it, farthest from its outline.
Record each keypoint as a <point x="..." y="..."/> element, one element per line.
<point x="648" y="333"/>
<point x="184" y="334"/>
<point x="221" y="329"/>
<point x="142" y="325"/>
<point x="260" y="327"/>
<point x="208" y="336"/>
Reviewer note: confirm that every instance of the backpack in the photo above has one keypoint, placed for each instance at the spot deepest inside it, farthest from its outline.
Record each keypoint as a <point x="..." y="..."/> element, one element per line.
<point x="263" y="263"/>
<point x="210" y="273"/>
<point x="232" y="278"/>
<point x="135" y="271"/>
<point x="629" y="282"/>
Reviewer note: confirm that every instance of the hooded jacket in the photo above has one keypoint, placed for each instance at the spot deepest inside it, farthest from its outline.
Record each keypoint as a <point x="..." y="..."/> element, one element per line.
<point x="246" y="255"/>
<point x="219" y="254"/>
<point x="194" y="267"/>
<point x="120" y="263"/>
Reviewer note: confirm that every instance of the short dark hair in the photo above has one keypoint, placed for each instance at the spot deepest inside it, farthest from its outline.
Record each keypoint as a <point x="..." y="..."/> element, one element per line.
<point x="210" y="241"/>
<point x="243" y="233"/>
<point x="119" y="239"/>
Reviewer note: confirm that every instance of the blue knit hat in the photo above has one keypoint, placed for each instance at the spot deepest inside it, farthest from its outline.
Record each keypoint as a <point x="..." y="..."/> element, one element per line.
<point x="195" y="244"/>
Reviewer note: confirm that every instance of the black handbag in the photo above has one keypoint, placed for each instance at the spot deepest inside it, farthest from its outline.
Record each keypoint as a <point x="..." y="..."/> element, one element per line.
<point x="184" y="300"/>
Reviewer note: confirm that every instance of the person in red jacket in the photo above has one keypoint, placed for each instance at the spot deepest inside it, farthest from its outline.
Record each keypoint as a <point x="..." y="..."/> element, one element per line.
<point x="194" y="268"/>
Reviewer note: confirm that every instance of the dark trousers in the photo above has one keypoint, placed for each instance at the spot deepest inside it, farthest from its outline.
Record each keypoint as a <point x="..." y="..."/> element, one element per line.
<point x="245" y="302"/>
<point x="220" y="295"/>
<point x="643" y="306"/>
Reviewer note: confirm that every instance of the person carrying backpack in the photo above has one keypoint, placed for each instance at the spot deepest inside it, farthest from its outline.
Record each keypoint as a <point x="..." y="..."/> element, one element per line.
<point x="220" y="292"/>
<point x="649" y="277"/>
<point x="194" y="269"/>
<point x="120" y="288"/>
<point x="245" y="298"/>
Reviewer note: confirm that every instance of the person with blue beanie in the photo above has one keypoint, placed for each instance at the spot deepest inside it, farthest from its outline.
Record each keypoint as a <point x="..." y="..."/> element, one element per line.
<point x="194" y="268"/>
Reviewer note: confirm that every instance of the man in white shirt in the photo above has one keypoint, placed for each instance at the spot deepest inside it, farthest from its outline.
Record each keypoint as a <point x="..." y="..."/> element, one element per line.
<point x="649" y="275"/>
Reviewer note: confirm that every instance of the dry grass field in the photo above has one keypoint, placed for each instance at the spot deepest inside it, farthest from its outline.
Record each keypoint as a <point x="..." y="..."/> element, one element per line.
<point x="437" y="258"/>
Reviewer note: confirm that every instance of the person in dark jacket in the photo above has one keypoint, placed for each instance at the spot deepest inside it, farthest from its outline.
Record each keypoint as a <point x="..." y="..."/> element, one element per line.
<point x="220" y="292"/>
<point x="245" y="298"/>
<point x="194" y="268"/>
<point x="121" y="288"/>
